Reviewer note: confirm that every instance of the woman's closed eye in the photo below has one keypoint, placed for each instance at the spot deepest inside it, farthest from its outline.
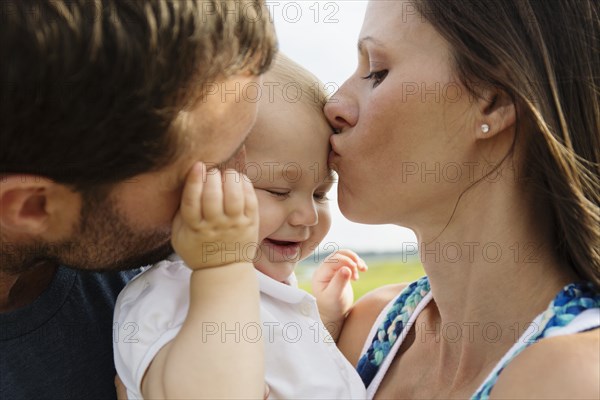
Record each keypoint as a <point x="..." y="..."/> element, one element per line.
<point x="377" y="77"/>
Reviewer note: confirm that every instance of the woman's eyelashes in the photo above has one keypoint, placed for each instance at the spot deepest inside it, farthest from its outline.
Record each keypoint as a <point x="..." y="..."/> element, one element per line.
<point x="377" y="77"/>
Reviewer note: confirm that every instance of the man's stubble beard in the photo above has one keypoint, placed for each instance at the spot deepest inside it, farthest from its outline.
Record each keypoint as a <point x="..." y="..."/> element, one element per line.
<point x="102" y="241"/>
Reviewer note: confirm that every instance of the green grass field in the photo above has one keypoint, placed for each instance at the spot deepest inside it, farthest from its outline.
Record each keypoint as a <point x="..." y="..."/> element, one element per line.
<point x="381" y="272"/>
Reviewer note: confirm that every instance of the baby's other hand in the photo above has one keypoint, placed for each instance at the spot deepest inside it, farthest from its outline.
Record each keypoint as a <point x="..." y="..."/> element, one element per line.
<point x="217" y="222"/>
<point x="331" y="284"/>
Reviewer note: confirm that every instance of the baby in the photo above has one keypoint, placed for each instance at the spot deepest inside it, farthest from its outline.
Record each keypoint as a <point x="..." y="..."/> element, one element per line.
<point x="286" y="162"/>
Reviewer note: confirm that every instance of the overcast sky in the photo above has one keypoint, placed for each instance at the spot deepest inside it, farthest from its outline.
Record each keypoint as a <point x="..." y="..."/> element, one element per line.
<point x="322" y="36"/>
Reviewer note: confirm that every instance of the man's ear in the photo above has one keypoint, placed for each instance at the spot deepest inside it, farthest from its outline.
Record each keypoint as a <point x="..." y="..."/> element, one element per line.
<point x="30" y="205"/>
<point x="497" y="113"/>
<point x="23" y="204"/>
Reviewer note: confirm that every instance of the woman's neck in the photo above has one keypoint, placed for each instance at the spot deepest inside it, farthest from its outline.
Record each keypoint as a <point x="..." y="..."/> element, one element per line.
<point x="492" y="270"/>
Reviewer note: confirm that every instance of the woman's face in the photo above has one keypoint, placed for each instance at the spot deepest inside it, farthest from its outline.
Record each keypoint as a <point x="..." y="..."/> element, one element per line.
<point x="404" y="121"/>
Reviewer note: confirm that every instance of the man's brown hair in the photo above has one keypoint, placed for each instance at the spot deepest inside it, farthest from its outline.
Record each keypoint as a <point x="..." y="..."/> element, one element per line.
<point x="89" y="88"/>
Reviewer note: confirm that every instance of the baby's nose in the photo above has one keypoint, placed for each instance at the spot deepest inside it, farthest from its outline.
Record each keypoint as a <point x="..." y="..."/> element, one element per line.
<point x="305" y="214"/>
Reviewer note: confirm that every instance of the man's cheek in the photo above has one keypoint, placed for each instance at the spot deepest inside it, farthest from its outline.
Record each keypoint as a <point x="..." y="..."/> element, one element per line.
<point x="237" y="161"/>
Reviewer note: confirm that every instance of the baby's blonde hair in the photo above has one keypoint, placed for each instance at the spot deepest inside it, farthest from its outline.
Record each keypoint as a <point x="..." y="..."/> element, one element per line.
<point x="295" y="83"/>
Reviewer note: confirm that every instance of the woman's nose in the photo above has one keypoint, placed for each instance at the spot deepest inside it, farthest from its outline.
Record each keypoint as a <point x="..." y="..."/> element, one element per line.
<point x="304" y="214"/>
<point x="341" y="110"/>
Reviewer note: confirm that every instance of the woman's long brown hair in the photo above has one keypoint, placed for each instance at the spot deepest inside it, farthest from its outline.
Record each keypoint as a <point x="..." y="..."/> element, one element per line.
<point x="546" y="56"/>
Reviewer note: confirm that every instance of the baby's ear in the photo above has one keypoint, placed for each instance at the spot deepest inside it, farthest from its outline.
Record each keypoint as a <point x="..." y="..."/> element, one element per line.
<point x="496" y="113"/>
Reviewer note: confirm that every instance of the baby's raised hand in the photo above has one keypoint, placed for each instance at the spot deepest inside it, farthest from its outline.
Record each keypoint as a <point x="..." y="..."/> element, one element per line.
<point x="217" y="222"/>
<point x="331" y="284"/>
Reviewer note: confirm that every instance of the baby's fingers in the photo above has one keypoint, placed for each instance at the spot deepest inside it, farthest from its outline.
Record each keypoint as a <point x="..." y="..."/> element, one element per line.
<point x="339" y="281"/>
<point x="192" y="193"/>
<point x="339" y="260"/>
<point x="212" y="195"/>
<point x="233" y="193"/>
<point x="360" y="263"/>
<point x="250" y="201"/>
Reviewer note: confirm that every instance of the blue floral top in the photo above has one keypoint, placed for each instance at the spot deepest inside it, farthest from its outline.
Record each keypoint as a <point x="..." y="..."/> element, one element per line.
<point x="571" y="301"/>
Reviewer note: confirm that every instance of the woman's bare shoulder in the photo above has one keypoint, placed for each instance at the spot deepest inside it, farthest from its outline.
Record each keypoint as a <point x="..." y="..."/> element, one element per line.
<point x="362" y="317"/>
<point x="379" y="298"/>
<point x="559" y="367"/>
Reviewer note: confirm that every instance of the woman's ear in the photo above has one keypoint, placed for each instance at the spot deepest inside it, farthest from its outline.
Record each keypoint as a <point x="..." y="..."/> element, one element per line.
<point x="497" y="113"/>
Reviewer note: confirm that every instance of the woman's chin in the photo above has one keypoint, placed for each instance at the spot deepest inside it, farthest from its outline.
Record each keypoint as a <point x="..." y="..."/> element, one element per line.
<point x="351" y="209"/>
<point x="358" y="217"/>
<point x="351" y="206"/>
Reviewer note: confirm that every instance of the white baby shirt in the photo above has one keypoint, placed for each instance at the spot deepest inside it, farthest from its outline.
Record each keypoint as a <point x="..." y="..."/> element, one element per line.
<point x="302" y="361"/>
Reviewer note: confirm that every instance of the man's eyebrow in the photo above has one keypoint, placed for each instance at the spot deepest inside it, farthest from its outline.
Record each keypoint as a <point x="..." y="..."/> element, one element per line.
<point x="367" y="39"/>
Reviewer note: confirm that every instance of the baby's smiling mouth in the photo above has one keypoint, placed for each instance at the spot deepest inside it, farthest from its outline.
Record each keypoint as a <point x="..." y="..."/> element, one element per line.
<point x="281" y="242"/>
<point x="286" y="250"/>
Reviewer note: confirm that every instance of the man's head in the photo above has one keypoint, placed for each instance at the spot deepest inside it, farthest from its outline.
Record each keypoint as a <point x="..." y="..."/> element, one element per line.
<point x="104" y="107"/>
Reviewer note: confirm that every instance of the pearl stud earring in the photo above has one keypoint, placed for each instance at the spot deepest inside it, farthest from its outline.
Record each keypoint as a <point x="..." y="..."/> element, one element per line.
<point x="485" y="128"/>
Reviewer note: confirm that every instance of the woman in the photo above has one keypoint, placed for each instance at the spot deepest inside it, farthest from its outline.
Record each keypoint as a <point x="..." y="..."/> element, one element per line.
<point x="477" y="125"/>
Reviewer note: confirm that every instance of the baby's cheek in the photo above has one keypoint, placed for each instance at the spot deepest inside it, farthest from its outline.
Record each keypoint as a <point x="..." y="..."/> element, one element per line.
<point x="268" y="220"/>
<point x="322" y="228"/>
